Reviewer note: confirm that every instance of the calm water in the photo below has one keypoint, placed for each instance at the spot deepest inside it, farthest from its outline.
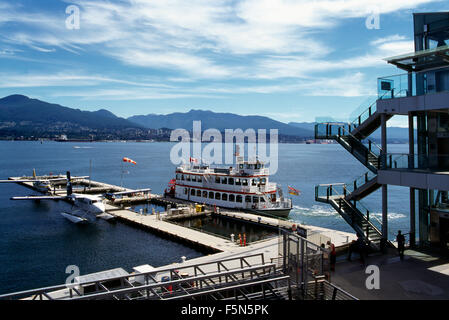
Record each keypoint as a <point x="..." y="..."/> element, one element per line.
<point x="223" y="227"/>
<point x="37" y="243"/>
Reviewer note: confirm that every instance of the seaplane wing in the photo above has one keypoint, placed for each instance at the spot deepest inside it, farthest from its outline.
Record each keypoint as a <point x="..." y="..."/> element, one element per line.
<point x="43" y="179"/>
<point x="18" y="181"/>
<point x="39" y="198"/>
<point x="65" y="179"/>
<point x="128" y="192"/>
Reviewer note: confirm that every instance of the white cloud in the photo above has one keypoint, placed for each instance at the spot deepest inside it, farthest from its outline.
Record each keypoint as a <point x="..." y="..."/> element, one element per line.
<point x="257" y="40"/>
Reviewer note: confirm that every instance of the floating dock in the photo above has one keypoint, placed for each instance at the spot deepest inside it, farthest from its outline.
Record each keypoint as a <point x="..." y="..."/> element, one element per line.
<point x="160" y="222"/>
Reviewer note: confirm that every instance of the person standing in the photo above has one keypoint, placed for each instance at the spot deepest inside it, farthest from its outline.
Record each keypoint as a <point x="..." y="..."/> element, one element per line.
<point x="400" y="239"/>
<point x="332" y="255"/>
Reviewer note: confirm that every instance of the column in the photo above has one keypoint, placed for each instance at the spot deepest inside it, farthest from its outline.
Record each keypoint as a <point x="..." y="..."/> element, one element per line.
<point x="411" y="151"/>
<point x="383" y="119"/>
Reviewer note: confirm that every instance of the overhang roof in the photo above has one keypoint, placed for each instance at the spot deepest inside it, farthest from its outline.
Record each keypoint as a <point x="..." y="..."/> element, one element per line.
<point x="420" y="60"/>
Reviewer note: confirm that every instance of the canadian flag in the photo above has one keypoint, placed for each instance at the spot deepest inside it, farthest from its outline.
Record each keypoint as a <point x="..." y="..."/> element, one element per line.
<point x="129" y="160"/>
<point x="193" y="160"/>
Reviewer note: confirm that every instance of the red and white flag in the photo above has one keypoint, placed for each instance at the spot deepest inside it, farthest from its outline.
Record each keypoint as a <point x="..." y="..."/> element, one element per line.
<point x="193" y="160"/>
<point x="129" y="160"/>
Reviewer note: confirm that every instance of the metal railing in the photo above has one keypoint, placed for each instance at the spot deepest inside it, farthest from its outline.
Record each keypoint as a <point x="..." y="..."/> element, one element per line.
<point x="321" y="289"/>
<point x="166" y="283"/>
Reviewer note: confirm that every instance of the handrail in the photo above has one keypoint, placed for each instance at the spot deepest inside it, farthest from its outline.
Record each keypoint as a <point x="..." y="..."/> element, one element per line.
<point x="370" y="143"/>
<point x="168" y="269"/>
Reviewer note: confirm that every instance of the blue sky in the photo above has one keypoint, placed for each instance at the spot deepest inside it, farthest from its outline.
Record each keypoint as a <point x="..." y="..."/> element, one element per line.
<point x="289" y="60"/>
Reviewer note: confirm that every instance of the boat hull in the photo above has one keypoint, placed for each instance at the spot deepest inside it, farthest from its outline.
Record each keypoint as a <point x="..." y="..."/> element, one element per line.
<point x="281" y="213"/>
<point x="274" y="212"/>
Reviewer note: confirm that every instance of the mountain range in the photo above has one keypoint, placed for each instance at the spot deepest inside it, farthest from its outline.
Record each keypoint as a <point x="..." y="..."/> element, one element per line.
<point x="220" y="121"/>
<point x="23" y="116"/>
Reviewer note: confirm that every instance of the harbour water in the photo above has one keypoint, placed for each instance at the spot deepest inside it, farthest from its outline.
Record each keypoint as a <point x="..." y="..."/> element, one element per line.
<point x="37" y="243"/>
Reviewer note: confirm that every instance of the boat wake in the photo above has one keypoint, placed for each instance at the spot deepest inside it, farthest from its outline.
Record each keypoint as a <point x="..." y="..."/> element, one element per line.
<point x="314" y="211"/>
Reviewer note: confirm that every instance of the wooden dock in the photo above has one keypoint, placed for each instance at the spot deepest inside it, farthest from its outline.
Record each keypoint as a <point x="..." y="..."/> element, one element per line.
<point x="159" y="224"/>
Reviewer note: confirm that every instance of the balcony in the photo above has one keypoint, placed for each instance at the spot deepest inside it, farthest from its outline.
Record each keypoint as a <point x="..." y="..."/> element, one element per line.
<point x="411" y="92"/>
<point x="420" y="162"/>
<point x="413" y="84"/>
<point x="416" y="171"/>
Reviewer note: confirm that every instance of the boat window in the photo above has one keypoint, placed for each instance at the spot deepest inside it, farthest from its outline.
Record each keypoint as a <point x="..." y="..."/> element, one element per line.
<point x="187" y="178"/>
<point x="263" y="181"/>
<point x="217" y="196"/>
<point x="247" y="199"/>
<point x="254" y="182"/>
<point x="211" y="195"/>
<point x="224" y="197"/>
<point x="204" y="194"/>
<point x="193" y="178"/>
<point x="199" y="179"/>
<point x="182" y="177"/>
<point x="217" y="179"/>
<point x="238" y="198"/>
<point x="244" y="182"/>
<point x="198" y="193"/>
<point x="237" y="182"/>
<point x="192" y="192"/>
<point x="178" y="177"/>
<point x="231" y="181"/>
<point x="240" y="166"/>
<point x="255" y="199"/>
<point x="224" y="181"/>
<point x="185" y="190"/>
<point x="231" y="198"/>
<point x="262" y="199"/>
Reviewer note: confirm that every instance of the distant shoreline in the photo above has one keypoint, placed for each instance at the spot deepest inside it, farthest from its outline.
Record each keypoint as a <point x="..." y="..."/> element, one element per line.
<point x="158" y="141"/>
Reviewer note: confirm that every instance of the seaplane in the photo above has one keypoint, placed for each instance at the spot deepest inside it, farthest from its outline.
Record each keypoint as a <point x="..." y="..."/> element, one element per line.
<point x="42" y="184"/>
<point x="86" y="204"/>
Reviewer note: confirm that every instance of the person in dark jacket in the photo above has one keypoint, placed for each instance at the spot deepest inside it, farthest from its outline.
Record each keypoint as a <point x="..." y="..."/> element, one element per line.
<point x="400" y="239"/>
<point x="359" y="247"/>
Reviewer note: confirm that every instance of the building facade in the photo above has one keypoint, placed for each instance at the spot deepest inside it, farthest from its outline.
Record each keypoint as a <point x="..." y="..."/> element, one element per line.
<point x="420" y="92"/>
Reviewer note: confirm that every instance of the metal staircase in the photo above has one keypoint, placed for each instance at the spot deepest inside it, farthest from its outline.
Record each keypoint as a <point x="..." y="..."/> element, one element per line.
<point x="368" y="121"/>
<point x="352" y="211"/>
<point x="345" y="198"/>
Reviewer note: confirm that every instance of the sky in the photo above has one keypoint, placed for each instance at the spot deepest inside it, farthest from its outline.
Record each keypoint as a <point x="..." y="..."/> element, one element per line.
<point x="285" y="59"/>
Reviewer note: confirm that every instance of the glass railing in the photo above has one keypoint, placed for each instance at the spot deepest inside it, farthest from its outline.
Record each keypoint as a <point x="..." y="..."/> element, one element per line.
<point x="359" y="181"/>
<point x="415" y="161"/>
<point x="362" y="113"/>
<point x="329" y="130"/>
<point x="413" y="84"/>
<point x="364" y="106"/>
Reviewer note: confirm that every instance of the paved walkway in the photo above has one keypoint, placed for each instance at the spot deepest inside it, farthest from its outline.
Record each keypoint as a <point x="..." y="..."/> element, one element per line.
<point x="420" y="276"/>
